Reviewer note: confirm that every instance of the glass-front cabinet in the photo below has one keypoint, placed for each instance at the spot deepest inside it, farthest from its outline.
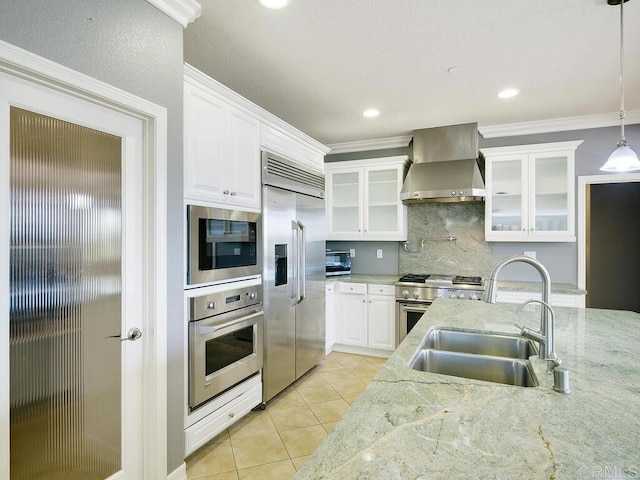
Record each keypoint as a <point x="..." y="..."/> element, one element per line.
<point x="363" y="199"/>
<point x="530" y="192"/>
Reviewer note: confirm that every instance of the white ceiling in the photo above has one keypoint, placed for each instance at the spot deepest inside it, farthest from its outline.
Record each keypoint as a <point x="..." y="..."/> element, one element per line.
<point x="318" y="64"/>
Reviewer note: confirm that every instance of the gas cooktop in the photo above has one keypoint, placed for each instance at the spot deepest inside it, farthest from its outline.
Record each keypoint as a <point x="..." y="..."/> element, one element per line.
<point x="438" y="279"/>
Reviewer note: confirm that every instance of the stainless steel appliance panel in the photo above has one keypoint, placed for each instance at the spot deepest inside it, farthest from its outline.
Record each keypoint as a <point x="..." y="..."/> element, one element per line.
<point x="407" y="315"/>
<point x="310" y="311"/>
<point x="225" y="341"/>
<point x="280" y="290"/>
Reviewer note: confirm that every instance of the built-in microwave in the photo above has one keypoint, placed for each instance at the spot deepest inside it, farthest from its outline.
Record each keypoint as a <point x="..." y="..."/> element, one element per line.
<point x="337" y="262"/>
<point x="222" y="244"/>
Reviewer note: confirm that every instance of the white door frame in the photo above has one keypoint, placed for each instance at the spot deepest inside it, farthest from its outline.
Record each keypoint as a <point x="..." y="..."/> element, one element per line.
<point x="21" y="63"/>
<point x="583" y="181"/>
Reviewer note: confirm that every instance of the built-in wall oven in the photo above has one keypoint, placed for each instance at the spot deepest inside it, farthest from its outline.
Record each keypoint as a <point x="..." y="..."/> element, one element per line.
<point x="225" y="340"/>
<point x="222" y="244"/>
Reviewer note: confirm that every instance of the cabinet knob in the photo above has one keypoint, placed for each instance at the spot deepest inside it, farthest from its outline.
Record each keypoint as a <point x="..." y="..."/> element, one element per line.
<point x="233" y="194"/>
<point x="231" y="415"/>
<point x="226" y="192"/>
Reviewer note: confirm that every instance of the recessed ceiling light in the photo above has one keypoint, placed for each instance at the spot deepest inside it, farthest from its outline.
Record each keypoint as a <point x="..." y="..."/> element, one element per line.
<point x="508" y="93"/>
<point x="274" y="4"/>
<point x="372" y="112"/>
<point x="454" y="69"/>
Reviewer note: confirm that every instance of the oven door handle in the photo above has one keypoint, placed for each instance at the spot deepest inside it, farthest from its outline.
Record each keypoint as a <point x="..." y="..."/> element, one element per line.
<point x="207" y="329"/>
<point x="413" y="306"/>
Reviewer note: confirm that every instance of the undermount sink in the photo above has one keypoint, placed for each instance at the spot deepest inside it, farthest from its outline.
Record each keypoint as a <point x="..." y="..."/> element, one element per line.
<point x="491" y="357"/>
<point x="479" y="343"/>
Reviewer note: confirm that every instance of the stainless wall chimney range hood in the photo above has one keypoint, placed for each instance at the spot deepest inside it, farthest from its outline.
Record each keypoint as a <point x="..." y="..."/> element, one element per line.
<point x="447" y="166"/>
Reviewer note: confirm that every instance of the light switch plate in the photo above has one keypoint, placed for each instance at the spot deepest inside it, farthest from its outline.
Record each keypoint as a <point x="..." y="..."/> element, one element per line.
<point x="352" y="252"/>
<point x="379" y="253"/>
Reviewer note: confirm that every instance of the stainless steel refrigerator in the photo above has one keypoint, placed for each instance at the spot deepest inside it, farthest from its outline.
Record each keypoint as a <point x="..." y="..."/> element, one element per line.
<point x="294" y="235"/>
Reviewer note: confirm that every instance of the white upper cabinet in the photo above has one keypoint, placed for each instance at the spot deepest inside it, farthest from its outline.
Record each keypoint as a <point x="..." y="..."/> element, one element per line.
<point x="224" y="134"/>
<point x="222" y="151"/>
<point x="363" y="200"/>
<point x="530" y="193"/>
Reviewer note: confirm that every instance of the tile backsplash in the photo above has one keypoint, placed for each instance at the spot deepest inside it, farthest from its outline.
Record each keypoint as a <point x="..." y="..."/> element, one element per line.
<point x="470" y="254"/>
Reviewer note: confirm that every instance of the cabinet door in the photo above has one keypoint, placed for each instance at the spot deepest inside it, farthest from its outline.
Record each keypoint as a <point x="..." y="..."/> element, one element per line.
<point x="243" y="162"/>
<point x="382" y="323"/>
<point x="205" y="131"/>
<point x="551" y="208"/>
<point x="344" y="196"/>
<point x="507" y="197"/>
<point x="330" y="317"/>
<point x="352" y="320"/>
<point x="383" y="212"/>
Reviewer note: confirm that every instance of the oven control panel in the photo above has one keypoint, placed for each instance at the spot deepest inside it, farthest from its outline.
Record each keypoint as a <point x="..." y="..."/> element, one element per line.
<point x="428" y="294"/>
<point x="221" y="302"/>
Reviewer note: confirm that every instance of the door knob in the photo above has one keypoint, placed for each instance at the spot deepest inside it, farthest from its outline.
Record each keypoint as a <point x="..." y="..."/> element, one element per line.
<point x="133" y="334"/>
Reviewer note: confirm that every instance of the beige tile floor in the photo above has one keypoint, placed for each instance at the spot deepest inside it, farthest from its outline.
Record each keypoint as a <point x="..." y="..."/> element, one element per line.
<point x="275" y="443"/>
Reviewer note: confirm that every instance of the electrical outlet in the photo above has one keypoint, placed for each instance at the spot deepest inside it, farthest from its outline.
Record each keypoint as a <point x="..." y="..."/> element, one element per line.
<point x="530" y="254"/>
<point x="352" y="252"/>
<point x="379" y="253"/>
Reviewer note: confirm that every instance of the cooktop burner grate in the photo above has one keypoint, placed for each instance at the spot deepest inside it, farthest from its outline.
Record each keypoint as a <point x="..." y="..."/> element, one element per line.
<point x="414" y="278"/>
<point x="460" y="280"/>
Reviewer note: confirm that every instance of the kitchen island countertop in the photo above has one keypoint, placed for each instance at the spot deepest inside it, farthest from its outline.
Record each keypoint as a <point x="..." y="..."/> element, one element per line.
<point x="416" y="425"/>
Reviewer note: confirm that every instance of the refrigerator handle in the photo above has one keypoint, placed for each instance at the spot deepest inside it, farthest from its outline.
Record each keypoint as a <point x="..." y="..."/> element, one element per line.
<point x="295" y="245"/>
<point x="303" y="261"/>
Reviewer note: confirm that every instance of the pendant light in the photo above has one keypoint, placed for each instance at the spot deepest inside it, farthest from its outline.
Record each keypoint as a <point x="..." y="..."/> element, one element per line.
<point x="623" y="159"/>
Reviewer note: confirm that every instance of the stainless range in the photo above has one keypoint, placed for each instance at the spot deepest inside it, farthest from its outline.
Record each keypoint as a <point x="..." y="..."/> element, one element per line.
<point x="415" y="292"/>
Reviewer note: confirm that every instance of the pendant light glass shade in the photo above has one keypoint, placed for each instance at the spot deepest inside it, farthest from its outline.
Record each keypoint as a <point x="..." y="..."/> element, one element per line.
<point x="623" y="159"/>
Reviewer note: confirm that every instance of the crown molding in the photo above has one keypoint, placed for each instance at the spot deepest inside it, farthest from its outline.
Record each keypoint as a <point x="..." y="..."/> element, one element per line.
<point x="376" y="144"/>
<point x="182" y="11"/>
<point x="559" y="124"/>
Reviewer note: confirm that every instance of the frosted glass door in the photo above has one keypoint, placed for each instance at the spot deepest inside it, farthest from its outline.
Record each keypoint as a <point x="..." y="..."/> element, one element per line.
<point x="345" y="201"/>
<point x="508" y="198"/>
<point x="382" y="200"/>
<point x="65" y="291"/>
<point x="551" y="200"/>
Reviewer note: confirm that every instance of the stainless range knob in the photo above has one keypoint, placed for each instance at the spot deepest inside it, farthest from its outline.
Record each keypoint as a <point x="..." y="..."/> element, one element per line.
<point x="461" y="295"/>
<point x="405" y="293"/>
<point x="253" y="295"/>
<point x="416" y="293"/>
<point x="473" y="296"/>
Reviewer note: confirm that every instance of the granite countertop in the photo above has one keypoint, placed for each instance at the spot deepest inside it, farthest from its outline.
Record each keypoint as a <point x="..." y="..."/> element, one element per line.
<point x="416" y="425"/>
<point x="379" y="279"/>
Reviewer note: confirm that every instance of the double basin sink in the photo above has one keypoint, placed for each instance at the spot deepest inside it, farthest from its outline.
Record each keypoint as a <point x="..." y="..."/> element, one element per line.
<point x="492" y="357"/>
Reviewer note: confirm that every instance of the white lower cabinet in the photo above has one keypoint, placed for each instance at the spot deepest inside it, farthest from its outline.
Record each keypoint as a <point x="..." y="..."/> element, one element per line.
<point x="381" y="310"/>
<point x="365" y="318"/>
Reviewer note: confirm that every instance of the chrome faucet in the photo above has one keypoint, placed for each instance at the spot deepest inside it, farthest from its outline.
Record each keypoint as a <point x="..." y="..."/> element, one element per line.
<point x="547" y="316"/>
<point x="547" y="342"/>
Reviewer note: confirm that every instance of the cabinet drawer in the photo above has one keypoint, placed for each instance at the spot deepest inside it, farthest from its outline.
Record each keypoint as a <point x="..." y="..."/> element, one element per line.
<point x="373" y="289"/>
<point x="201" y="432"/>
<point x="356" y="288"/>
